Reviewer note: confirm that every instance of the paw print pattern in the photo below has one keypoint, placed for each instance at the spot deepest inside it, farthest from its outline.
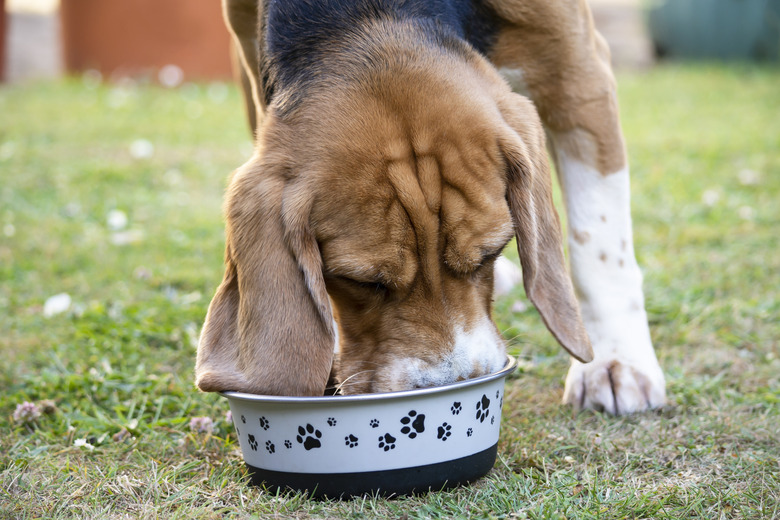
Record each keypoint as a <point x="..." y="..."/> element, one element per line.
<point x="270" y="447"/>
<point x="243" y="419"/>
<point x="351" y="441"/>
<point x="456" y="408"/>
<point x="287" y="444"/>
<point x="374" y="423"/>
<point x="482" y="408"/>
<point x="492" y="419"/>
<point x="387" y="442"/>
<point x="469" y="432"/>
<point x="331" y="421"/>
<point x="444" y="432"/>
<point x="252" y="442"/>
<point x="309" y="437"/>
<point x="497" y="392"/>
<point x="413" y="424"/>
<point x="264" y="424"/>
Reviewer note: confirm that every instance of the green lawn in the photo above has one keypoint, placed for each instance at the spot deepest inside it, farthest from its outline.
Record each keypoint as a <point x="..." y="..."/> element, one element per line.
<point x="113" y="196"/>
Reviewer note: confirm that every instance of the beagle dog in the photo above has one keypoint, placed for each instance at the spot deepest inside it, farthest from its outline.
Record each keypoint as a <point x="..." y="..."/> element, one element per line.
<point x="393" y="163"/>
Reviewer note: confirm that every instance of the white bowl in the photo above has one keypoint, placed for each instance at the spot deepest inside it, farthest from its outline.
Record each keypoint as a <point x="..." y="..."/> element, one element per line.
<point x="388" y="443"/>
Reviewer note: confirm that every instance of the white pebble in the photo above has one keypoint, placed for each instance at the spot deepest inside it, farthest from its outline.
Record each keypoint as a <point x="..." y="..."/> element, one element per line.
<point x="710" y="197"/>
<point x="82" y="443"/>
<point x="171" y="76"/>
<point x="57" y="304"/>
<point x="141" y="149"/>
<point x="116" y="219"/>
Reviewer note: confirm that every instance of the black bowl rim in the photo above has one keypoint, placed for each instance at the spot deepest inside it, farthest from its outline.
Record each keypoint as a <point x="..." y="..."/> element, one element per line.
<point x="509" y="367"/>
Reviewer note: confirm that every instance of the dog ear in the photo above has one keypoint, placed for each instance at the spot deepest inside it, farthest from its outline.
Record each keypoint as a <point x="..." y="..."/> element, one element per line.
<point x="538" y="229"/>
<point x="269" y="328"/>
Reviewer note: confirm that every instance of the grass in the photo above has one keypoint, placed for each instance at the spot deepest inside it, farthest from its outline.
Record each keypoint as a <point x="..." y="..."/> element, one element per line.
<point x="705" y="149"/>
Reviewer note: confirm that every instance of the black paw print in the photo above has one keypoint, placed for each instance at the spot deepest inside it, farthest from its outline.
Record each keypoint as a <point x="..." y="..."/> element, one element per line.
<point x="501" y="402"/>
<point x="482" y="408"/>
<point x="309" y="437"/>
<point x="243" y="419"/>
<point x="497" y="391"/>
<point x="252" y="442"/>
<point x="456" y="408"/>
<point x="444" y="432"/>
<point x="331" y="421"/>
<point x="351" y="440"/>
<point x="374" y="423"/>
<point x="469" y="432"/>
<point x="492" y="419"/>
<point x="287" y="444"/>
<point x="417" y="424"/>
<point x="387" y="442"/>
<point x="264" y="423"/>
<point x="270" y="446"/>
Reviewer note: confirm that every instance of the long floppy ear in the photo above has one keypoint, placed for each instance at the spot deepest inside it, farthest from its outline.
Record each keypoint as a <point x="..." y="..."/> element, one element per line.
<point x="269" y="328"/>
<point x="538" y="229"/>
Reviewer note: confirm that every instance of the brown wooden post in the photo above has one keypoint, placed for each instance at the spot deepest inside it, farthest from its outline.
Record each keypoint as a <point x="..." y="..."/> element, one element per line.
<point x="128" y="37"/>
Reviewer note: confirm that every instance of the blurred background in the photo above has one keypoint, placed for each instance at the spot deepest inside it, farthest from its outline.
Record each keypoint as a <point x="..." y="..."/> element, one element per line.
<point x="186" y="39"/>
<point x="119" y="126"/>
<point x="170" y="40"/>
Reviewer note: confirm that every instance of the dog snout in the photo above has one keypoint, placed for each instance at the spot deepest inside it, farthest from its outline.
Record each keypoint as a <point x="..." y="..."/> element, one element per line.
<point x="477" y="351"/>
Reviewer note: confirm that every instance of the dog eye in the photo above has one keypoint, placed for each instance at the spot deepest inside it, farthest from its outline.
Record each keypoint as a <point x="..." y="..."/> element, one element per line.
<point x="374" y="286"/>
<point x="489" y="258"/>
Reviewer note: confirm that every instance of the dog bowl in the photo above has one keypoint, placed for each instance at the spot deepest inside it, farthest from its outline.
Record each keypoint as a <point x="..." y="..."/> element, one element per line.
<point x="391" y="443"/>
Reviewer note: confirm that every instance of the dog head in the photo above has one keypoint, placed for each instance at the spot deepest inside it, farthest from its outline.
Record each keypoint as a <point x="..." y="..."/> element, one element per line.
<point x="383" y="202"/>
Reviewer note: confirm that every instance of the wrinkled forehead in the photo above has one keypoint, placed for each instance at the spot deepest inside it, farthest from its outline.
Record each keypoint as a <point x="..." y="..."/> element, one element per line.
<point x="376" y="216"/>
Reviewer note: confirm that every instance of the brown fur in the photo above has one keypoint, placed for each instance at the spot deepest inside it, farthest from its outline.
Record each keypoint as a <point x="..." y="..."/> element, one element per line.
<point x="566" y="70"/>
<point x="394" y="191"/>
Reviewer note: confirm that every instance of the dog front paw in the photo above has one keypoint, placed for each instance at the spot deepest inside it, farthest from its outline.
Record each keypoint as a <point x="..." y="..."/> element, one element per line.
<point x="614" y="386"/>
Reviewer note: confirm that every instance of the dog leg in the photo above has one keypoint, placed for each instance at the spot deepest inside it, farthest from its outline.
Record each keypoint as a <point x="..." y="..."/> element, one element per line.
<point x="560" y="61"/>
<point x="625" y="375"/>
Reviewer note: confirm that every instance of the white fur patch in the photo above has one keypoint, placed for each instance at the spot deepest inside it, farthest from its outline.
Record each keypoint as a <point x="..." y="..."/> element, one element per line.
<point x="515" y="78"/>
<point x="475" y="352"/>
<point x="606" y="276"/>
<point x="336" y="338"/>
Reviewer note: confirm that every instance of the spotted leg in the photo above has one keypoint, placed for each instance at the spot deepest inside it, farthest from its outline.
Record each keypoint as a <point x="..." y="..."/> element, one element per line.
<point x="625" y="375"/>
<point x="551" y="52"/>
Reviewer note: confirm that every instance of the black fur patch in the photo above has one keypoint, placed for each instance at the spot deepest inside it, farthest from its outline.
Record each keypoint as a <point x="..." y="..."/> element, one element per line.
<point x="300" y="34"/>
